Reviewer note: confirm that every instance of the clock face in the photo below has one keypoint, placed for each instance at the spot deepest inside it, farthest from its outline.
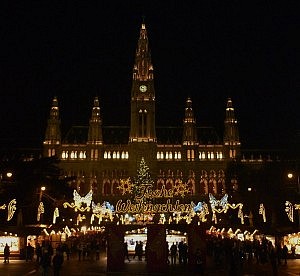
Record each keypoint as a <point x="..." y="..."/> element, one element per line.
<point x="143" y="88"/>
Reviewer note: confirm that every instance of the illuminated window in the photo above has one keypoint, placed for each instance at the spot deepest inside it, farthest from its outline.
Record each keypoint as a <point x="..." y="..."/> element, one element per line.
<point x="203" y="155"/>
<point x="118" y="155"/>
<point x="221" y="155"/>
<point x="114" y="155"/>
<point x="208" y="155"/>
<point x="179" y="155"/>
<point x="212" y="156"/>
<point x="82" y="155"/>
<point x="109" y="155"/>
<point x="53" y="152"/>
<point x="72" y="154"/>
<point x="190" y="155"/>
<point x="63" y="155"/>
<point x="127" y="156"/>
<point x="105" y="155"/>
<point x="167" y="155"/>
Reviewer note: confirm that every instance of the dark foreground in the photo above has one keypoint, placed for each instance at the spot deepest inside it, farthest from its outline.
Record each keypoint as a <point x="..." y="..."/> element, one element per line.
<point x="134" y="267"/>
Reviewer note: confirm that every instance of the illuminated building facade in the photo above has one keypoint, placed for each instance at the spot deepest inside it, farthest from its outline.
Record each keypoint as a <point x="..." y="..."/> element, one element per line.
<point x="99" y="156"/>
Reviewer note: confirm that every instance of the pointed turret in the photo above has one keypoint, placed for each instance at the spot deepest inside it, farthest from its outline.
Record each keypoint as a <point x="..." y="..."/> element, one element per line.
<point x="53" y="132"/>
<point x="143" y="69"/>
<point x="142" y="93"/>
<point x="231" y="133"/>
<point x="95" y="127"/>
<point x="189" y="125"/>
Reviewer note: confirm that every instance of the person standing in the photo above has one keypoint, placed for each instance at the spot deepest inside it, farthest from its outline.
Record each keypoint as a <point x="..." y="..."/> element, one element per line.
<point x="126" y="254"/>
<point x="45" y="262"/>
<point x="285" y="254"/>
<point x="6" y="253"/>
<point x="173" y="250"/>
<point x="38" y="252"/>
<point x="57" y="261"/>
<point x="199" y="262"/>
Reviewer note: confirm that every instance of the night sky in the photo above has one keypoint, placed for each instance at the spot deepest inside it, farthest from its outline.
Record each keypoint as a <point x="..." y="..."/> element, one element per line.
<point x="209" y="50"/>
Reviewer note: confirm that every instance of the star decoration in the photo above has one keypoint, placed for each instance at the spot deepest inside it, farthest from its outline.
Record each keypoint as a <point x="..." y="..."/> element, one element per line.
<point x="125" y="186"/>
<point x="181" y="189"/>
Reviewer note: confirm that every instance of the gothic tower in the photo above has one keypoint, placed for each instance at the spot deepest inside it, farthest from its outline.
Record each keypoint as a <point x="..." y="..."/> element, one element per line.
<point x="142" y="137"/>
<point x="189" y="125"/>
<point x="231" y="134"/>
<point x="53" y="133"/>
<point x="95" y="139"/>
<point x="142" y="127"/>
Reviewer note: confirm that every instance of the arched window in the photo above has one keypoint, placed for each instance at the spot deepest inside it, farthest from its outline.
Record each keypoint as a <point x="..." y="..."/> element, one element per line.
<point x="179" y="155"/>
<point x="115" y="184"/>
<point x="169" y="184"/>
<point x="106" y="187"/>
<point x="105" y="155"/>
<point x="160" y="182"/>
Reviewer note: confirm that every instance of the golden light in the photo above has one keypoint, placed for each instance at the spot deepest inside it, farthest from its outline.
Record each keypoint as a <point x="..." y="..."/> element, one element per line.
<point x="9" y="174"/>
<point x="43" y="188"/>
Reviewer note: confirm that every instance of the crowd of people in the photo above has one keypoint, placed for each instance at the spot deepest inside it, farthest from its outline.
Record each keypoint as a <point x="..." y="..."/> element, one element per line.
<point x="227" y="253"/>
<point x="233" y="253"/>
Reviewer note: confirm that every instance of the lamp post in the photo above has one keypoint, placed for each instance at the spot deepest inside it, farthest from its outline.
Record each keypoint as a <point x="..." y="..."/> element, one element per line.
<point x="292" y="176"/>
<point x="43" y="188"/>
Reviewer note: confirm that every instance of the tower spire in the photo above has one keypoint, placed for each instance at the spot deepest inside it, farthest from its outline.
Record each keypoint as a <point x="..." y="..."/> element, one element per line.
<point x="142" y="128"/>
<point x="143" y="68"/>
<point x="53" y="132"/>
<point x="95" y="127"/>
<point x="231" y="133"/>
<point x="189" y="125"/>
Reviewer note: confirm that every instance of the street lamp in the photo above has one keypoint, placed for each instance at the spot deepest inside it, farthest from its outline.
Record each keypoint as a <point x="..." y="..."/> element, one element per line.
<point x="292" y="176"/>
<point x="43" y="188"/>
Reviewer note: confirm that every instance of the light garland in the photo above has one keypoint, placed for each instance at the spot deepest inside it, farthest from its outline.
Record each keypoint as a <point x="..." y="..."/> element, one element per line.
<point x="223" y="207"/>
<point x="262" y="211"/>
<point x="289" y="209"/>
<point x="40" y="211"/>
<point x="78" y="201"/>
<point x="55" y="215"/>
<point x="11" y="209"/>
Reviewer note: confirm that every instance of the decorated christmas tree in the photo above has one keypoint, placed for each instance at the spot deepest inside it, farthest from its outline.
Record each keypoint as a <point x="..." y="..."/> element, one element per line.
<point x="143" y="177"/>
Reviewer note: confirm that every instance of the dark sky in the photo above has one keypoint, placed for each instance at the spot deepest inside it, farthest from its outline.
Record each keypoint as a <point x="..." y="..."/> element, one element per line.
<point x="209" y="50"/>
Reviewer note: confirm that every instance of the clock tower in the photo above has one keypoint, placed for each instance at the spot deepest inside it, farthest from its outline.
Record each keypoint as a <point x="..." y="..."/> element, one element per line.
<point x="142" y="128"/>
